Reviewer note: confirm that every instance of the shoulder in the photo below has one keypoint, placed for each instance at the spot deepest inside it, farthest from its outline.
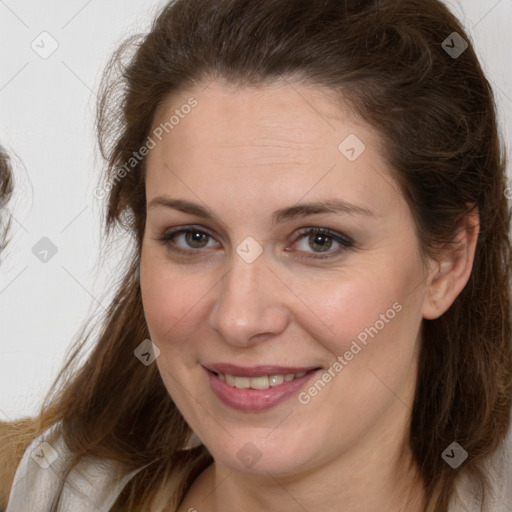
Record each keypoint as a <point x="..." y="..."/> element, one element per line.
<point x="498" y="497"/>
<point x="503" y="475"/>
<point x="42" y="475"/>
<point x="15" y="436"/>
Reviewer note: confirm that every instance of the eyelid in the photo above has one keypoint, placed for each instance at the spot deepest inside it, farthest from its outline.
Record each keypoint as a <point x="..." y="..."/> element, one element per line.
<point x="166" y="237"/>
<point x="345" y="242"/>
<point x="342" y="239"/>
<point x="336" y="235"/>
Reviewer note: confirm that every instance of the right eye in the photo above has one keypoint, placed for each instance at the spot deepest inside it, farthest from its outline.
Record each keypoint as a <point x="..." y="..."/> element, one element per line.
<point x="187" y="240"/>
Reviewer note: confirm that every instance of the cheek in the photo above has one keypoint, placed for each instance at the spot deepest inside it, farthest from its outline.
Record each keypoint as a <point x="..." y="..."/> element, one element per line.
<point x="372" y="308"/>
<point x="170" y="297"/>
<point x="377" y="352"/>
<point x="352" y="311"/>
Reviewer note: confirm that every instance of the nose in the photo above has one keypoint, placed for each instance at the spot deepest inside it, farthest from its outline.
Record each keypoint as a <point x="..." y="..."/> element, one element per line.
<point x="249" y="306"/>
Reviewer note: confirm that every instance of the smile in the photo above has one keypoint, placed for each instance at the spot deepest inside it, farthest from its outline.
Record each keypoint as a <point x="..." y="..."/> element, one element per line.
<point x="263" y="382"/>
<point x="257" y="388"/>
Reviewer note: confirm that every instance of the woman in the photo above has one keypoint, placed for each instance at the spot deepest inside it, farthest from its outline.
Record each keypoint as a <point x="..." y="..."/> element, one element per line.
<point x="316" y="313"/>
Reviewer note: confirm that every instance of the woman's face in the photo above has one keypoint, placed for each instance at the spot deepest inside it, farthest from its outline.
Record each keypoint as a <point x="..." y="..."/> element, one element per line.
<point x="246" y="294"/>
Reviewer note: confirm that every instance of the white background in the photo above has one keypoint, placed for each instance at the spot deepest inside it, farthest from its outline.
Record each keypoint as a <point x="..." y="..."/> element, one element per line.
<point x="47" y="119"/>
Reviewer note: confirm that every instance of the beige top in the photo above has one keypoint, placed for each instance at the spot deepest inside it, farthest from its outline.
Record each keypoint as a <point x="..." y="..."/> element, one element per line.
<point x="94" y="485"/>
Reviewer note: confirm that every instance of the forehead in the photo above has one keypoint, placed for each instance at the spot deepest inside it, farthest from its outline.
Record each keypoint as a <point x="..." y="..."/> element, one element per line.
<point x="296" y="114"/>
<point x="297" y="138"/>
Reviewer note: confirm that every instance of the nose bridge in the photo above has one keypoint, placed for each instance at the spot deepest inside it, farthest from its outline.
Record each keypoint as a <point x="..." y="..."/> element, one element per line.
<point x="247" y="303"/>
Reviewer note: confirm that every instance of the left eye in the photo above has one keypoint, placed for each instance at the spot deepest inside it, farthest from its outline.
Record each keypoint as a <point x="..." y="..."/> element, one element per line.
<point x="321" y="240"/>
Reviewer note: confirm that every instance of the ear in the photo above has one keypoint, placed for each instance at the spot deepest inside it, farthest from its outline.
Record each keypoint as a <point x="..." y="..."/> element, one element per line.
<point x="450" y="271"/>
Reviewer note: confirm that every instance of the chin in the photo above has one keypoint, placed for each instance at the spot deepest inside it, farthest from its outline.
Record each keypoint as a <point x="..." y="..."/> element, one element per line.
<point x="259" y="455"/>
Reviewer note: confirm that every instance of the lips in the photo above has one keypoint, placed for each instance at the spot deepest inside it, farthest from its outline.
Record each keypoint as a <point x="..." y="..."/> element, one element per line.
<point x="256" y="388"/>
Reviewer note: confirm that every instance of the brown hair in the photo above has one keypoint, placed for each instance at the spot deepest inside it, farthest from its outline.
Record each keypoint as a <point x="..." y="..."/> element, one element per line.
<point x="6" y="188"/>
<point x="436" y="115"/>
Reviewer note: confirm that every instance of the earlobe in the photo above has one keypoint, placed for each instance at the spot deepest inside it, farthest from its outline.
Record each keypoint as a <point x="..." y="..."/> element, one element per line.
<point x="451" y="270"/>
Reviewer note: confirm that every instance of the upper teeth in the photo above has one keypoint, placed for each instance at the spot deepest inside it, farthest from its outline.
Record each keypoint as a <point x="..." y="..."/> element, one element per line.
<point x="263" y="382"/>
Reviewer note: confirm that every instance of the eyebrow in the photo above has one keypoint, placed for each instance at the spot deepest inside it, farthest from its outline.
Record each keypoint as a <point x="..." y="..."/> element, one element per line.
<point x="284" y="214"/>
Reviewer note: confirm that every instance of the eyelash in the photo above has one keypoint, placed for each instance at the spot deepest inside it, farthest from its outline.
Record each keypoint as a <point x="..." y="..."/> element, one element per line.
<point x="344" y="241"/>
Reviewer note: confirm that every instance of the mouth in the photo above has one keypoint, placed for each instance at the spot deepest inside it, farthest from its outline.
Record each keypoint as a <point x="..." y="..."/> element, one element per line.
<point x="259" y="387"/>
<point x="263" y="382"/>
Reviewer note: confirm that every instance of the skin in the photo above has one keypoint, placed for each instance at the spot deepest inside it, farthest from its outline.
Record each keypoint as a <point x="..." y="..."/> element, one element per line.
<point x="245" y="153"/>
